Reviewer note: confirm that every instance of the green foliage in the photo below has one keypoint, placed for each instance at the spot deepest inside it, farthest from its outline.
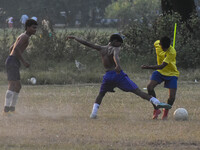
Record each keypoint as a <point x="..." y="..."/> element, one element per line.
<point x="137" y="10"/>
<point x="141" y="37"/>
<point x="119" y="9"/>
<point x="52" y="56"/>
<point x="188" y="44"/>
<point x="49" y="45"/>
<point x="4" y="40"/>
<point x="7" y="38"/>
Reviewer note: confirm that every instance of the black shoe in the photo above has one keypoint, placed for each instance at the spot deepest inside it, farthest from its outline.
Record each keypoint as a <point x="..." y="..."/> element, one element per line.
<point x="6" y="109"/>
<point x="12" y="108"/>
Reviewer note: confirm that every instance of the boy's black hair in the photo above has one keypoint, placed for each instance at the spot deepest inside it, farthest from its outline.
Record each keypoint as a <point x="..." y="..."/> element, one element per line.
<point x="117" y="37"/>
<point x="165" y="42"/>
<point x="30" y="22"/>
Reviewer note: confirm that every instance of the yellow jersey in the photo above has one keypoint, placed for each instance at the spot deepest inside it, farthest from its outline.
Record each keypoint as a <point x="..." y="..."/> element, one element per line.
<point x="169" y="57"/>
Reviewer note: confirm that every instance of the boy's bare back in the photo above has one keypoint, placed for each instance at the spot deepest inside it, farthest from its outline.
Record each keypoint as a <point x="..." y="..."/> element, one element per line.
<point x="20" y="44"/>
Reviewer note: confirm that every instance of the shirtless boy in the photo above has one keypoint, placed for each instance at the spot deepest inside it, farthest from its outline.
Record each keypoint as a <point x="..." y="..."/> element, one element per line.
<point x="114" y="76"/>
<point x="13" y="65"/>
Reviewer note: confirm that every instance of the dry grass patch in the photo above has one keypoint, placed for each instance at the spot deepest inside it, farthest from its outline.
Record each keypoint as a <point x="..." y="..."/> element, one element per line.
<point x="57" y="117"/>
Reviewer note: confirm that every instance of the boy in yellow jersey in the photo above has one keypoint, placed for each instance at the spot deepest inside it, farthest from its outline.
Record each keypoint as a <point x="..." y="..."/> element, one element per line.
<point x="166" y="71"/>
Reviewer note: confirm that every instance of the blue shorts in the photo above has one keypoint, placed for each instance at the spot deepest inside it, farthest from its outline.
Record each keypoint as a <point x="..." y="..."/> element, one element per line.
<point x="12" y="68"/>
<point x="111" y="80"/>
<point x="170" y="81"/>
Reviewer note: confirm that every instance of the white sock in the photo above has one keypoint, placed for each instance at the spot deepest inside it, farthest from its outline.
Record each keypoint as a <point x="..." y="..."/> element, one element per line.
<point x="14" y="100"/>
<point x="8" y="98"/>
<point x="154" y="100"/>
<point x="95" y="108"/>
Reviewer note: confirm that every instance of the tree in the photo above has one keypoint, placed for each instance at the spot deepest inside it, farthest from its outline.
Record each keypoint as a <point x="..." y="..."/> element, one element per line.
<point x="183" y="7"/>
<point x="130" y="10"/>
<point x="88" y="9"/>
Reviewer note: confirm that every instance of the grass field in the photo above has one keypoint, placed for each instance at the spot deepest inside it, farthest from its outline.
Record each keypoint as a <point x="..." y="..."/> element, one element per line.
<point x="57" y="118"/>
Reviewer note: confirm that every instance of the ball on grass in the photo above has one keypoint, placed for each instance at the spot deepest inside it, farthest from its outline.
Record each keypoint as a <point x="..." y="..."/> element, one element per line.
<point x="180" y="114"/>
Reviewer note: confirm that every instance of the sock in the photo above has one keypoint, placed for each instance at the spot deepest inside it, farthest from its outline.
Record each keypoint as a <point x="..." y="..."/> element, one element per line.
<point x="95" y="108"/>
<point x="8" y="98"/>
<point x="14" y="100"/>
<point x="154" y="100"/>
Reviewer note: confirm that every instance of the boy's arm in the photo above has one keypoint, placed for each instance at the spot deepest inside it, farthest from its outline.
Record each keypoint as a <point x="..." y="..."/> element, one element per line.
<point x="11" y="48"/>
<point x="116" y="60"/>
<point x="154" y="67"/>
<point x="97" y="47"/>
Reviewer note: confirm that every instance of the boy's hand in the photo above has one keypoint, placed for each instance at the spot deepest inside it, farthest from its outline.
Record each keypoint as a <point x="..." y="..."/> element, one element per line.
<point x="145" y="67"/>
<point x="118" y="69"/>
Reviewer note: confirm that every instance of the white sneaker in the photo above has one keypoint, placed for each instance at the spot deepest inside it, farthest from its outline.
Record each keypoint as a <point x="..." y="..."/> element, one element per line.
<point x="93" y="116"/>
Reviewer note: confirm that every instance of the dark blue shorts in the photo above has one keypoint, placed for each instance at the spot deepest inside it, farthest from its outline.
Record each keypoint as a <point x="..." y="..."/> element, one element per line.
<point x="12" y="68"/>
<point x="170" y="81"/>
<point x="111" y="80"/>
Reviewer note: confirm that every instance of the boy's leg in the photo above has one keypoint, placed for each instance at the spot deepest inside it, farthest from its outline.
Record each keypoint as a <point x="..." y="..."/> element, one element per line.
<point x="8" y="100"/>
<point x="153" y="100"/>
<point x="13" y="75"/>
<point x="14" y="102"/>
<point x="97" y="104"/>
<point x="172" y="96"/>
<point x="106" y="86"/>
<point x="128" y="85"/>
<point x="14" y="89"/>
<point x="150" y="87"/>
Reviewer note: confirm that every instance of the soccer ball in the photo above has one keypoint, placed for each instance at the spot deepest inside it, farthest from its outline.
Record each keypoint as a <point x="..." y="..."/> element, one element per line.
<point x="33" y="80"/>
<point x="180" y="114"/>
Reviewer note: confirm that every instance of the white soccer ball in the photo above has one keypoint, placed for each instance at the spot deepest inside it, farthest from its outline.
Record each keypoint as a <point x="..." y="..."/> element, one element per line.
<point x="33" y="80"/>
<point x="180" y="114"/>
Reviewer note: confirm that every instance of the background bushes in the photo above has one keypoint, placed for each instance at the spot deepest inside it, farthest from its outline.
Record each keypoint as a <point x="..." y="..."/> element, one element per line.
<point x="141" y="37"/>
<point x="52" y="56"/>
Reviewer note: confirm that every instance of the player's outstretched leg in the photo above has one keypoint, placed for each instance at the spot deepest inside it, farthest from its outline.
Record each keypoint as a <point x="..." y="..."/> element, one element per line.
<point x="153" y="100"/>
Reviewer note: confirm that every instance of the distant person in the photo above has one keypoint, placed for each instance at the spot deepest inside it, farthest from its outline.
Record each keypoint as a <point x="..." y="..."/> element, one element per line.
<point x="23" y="19"/>
<point x="10" y="22"/>
<point x="45" y="24"/>
<point x="13" y="65"/>
<point x="166" y="71"/>
<point x="34" y="18"/>
<point x="114" y="76"/>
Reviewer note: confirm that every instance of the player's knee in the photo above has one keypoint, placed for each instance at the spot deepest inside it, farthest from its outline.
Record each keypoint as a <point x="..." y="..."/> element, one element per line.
<point x="100" y="97"/>
<point x="172" y="97"/>
<point x="150" y="88"/>
<point x="139" y="93"/>
<point x="101" y="94"/>
<point x="18" y="88"/>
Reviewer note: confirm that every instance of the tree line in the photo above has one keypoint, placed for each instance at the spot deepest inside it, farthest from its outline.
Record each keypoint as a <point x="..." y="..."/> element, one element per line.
<point x="91" y="12"/>
<point x="85" y="11"/>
